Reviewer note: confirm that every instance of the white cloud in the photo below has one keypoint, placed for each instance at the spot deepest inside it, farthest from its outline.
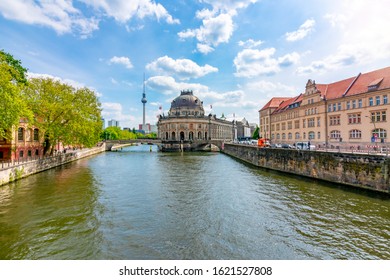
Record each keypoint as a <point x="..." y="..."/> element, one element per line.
<point x="214" y="31"/>
<point x="182" y="68"/>
<point x="230" y="6"/>
<point x="168" y="85"/>
<point x="360" y="42"/>
<point x="217" y="24"/>
<point x="58" y="15"/>
<point x="268" y="89"/>
<point x="122" y="60"/>
<point x="302" y="32"/>
<point x="248" y="44"/>
<point x="112" y="110"/>
<point x="253" y="62"/>
<point x="125" y="10"/>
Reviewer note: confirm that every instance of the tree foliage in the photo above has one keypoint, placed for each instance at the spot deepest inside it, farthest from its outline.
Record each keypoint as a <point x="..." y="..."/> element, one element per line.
<point x="64" y="114"/>
<point x="115" y="133"/>
<point x="12" y="105"/>
<point x="256" y="133"/>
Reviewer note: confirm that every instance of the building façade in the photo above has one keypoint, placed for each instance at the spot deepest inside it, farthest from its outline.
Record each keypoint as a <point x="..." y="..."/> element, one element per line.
<point x="186" y="127"/>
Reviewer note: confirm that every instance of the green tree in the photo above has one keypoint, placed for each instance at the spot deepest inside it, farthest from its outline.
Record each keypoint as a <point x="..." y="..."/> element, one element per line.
<point x="256" y="133"/>
<point x="115" y="133"/>
<point x="64" y="114"/>
<point x="112" y="133"/>
<point x="12" y="105"/>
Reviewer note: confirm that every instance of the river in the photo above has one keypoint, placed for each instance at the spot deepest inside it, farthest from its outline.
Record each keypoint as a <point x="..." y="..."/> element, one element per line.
<point x="137" y="204"/>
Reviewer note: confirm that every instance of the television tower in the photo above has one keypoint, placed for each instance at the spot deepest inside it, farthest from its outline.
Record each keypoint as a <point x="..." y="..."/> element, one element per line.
<point x="143" y="100"/>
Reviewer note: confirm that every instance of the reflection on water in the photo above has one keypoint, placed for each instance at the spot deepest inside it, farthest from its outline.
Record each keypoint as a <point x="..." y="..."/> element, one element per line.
<point x="137" y="204"/>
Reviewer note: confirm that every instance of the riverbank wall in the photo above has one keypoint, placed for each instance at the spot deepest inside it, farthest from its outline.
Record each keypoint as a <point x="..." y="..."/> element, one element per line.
<point x="16" y="171"/>
<point x="357" y="170"/>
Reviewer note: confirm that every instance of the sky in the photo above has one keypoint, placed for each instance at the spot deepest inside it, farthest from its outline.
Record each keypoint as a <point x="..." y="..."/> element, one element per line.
<point x="234" y="55"/>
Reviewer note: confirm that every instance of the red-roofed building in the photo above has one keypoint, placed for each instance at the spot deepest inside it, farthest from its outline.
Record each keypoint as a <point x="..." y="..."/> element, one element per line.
<point x="347" y="112"/>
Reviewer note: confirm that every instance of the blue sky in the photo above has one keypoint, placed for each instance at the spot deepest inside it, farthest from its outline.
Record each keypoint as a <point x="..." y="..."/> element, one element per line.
<point x="234" y="54"/>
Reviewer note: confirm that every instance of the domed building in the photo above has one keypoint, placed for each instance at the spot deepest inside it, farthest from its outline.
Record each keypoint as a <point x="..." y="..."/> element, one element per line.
<point x="187" y="127"/>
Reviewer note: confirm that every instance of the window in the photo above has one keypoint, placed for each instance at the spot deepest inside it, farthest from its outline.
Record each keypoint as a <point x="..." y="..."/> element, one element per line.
<point x="355" y="134"/>
<point x="37" y="152"/>
<point x="29" y="153"/>
<point x="284" y="126"/>
<point x="36" y="135"/>
<point x="290" y="136"/>
<point x="304" y="123"/>
<point x="284" y="136"/>
<point x="297" y="135"/>
<point x="20" y="134"/>
<point x="20" y="154"/>
<point x="335" y="134"/>
<point x="353" y="104"/>
<point x="334" y="120"/>
<point x="318" y="121"/>
<point x="379" y="133"/>
<point x="329" y="108"/>
<point x="311" y="122"/>
<point x="379" y="116"/>
<point x="339" y="106"/>
<point x="318" y="135"/>
<point x="278" y="136"/>
<point x="371" y="101"/>
<point x="354" y="118"/>
<point x="296" y="124"/>
<point x="311" y="135"/>
<point x="334" y="107"/>
<point x="378" y="100"/>
<point x="348" y="105"/>
<point x="360" y="103"/>
<point x="384" y="99"/>
<point x="289" y="125"/>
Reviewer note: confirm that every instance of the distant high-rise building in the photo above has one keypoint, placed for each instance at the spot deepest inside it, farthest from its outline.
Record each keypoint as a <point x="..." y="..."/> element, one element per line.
<point x="103" y="123"/>
<point x="113" y="123"/>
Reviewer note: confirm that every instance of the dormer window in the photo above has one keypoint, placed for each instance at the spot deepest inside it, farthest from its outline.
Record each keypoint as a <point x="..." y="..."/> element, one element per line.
<point x="374" y="85"/>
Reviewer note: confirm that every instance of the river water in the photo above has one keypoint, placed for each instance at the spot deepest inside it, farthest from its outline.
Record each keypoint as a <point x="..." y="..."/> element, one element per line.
<point x="137" y="204"/>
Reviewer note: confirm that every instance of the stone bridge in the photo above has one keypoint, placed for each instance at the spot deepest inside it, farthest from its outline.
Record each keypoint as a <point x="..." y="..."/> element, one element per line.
<point x="113" y="145"/>
<point x="195" y="145"/>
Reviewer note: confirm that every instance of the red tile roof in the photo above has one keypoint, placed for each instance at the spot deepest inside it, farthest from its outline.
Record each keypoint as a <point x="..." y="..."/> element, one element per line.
<point x="361" y="83"/>
<point x="274" y="102"/>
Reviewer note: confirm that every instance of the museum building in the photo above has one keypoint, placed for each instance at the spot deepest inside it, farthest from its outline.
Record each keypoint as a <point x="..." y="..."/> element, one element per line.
<point x="187" y="124"/>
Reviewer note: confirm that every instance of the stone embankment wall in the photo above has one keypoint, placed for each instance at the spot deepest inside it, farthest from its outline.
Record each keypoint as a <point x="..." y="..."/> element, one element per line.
<point x="21" y="170"/>
<point x="357" y="170"/>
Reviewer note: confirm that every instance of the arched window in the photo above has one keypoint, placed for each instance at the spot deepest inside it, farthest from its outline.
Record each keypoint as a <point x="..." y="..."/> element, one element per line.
<point x="205" y="135"/>
<point x="199" y="135"/>
<point x="335" y="134"/>
<point x="166" y="135"/>
<point x="20" y="134"/>
<point x="191" y="135"/>
<point x="312" y="135"/>
<point x="173" y="135"/>
<point x="290" y="135"/>
<point x="182" y="135"/>
<point x="355" y="134"/>
<point x="284" y="136"/>
<point x="277" y="136"/>
<point x="297" y="136"/>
